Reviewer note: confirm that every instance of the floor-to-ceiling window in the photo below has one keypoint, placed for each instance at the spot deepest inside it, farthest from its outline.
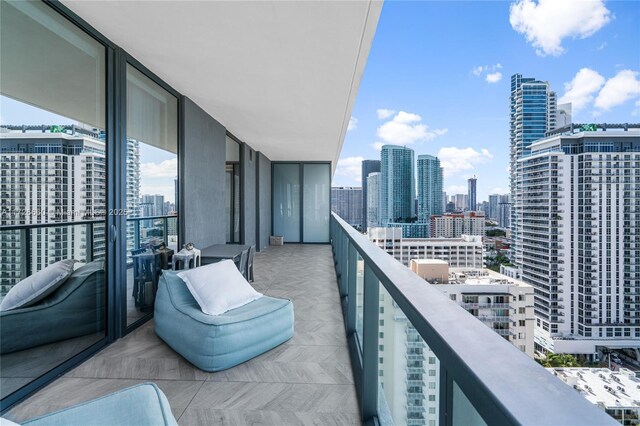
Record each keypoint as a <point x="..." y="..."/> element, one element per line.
<point x="151" y="189"/>
<point x="53" y="192"/>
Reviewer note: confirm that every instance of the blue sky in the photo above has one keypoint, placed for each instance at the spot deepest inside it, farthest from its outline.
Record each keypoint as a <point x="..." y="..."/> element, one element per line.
<point x="447" y="66"/>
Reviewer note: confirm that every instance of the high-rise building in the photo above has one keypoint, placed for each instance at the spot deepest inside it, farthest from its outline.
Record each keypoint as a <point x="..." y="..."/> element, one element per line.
<point x="397" y="183"/>
<point x="577" y="235"/>
<point x="151" y="205"/>
<point x="445" y="200"/>
<point x="346" y="202"/>
<point x="51" y="177"/>
<point x="429" y="187"/>
<point x="454" y="225"/>
<point x="460" y="201"/>
<point x="533" y="112"/>
<point x="368" y="167"/>
<point x="373" y="199"/>
<point x="133" y="191"/>
<point x="504" y="211"/>
<point x="493" y="211"/>
<point x="472" y="201"/>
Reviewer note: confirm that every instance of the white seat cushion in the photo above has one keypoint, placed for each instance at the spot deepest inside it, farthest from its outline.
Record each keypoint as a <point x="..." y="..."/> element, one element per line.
<point x="219" y="287"/>
<point x="37" y="286"/>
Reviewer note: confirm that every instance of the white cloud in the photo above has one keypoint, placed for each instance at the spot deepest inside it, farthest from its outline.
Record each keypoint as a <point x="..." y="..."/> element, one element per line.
<point x="619" y="89"/>
<point x="405" y="128"/>
<point x="456" y="189"/>
<point x="165" y="169"/>
<point x="491" y="73"/>
<point x="494" y="77"/>
<point x="581" y="89"/>
<point x="353" y="124"/>
<point x="455" y="160"/>
<point x="546" y="23"/>
<point x="350" y="168"/>
<point x="602" y="46"/>
<point x="478" y="70"/>
<point x="384" y="113"/>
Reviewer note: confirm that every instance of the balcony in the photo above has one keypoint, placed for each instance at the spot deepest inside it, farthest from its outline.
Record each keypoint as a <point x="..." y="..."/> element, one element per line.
<point x="307" y="380"/>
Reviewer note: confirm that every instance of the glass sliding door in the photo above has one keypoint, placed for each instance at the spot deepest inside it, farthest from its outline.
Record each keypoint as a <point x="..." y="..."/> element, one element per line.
<point x="301" y="201"/>
<point x="53" y="192"/>
<point x="316" y="203"/>
<point x="286" y="201"/>
<point x="152" y="189"/>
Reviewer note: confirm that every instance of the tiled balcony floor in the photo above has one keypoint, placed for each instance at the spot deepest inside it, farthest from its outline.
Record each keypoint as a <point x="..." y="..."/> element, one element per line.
<point x="307" y="380"/>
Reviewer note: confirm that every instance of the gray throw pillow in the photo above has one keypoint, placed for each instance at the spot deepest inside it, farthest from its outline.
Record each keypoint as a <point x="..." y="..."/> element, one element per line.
<point x="37" y="286"/>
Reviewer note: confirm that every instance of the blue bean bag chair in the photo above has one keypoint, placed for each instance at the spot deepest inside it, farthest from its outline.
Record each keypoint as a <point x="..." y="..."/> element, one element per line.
<point x="139" y="405"/>
<point x="214" y="343"/>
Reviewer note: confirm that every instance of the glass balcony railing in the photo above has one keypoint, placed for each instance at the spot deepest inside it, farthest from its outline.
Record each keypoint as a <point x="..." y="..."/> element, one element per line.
<point x="419" y="358"/>
<point x="29" y="248"/>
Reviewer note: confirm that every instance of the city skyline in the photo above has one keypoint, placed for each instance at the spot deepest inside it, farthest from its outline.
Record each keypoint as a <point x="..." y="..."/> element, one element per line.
<point x="456" y="107"/>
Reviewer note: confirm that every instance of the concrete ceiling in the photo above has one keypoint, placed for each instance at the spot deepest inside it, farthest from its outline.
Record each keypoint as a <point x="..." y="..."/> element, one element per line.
<point x="281" y="76"/>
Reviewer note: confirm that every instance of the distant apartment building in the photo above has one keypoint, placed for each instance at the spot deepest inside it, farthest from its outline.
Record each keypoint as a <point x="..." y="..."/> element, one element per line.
<point x="463" y="252"/>
<point x="454" y="225"/>
<point x="429" y="187"/>
<point x="368" y="167"/>
<point x="397" y="188"/>
<point x="504" y="211"/>
<point x="47" y="178"/>
<point x="373" y="200"/>
<point x="152" y="205"/>
<point x="460" y="201"/>
<point x="492" y="212"/>
<point x="502" y="303"/>
<point x="346" y="202"/>
<point x="577" y="236"/>
<point x="472" y="199"/>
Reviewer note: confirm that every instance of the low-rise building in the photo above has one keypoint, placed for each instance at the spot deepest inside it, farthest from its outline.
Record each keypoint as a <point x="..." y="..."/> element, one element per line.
<point x="503" y="304"/>
<point x="616" y="392"/>
<point x="463" y="252"/>
<point x="454" y="225"/>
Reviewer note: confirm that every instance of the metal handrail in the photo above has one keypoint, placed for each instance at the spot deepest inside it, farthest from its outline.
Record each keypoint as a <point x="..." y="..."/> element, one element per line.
<point x="486" y="367"/>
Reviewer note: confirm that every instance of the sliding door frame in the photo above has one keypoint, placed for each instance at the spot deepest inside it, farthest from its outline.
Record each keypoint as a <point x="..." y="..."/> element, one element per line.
<point x="116" y="60"/>
<point x="301" y="165"/>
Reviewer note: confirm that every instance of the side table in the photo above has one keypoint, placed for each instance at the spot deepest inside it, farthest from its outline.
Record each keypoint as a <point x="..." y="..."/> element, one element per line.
<point x="183" y="259"/>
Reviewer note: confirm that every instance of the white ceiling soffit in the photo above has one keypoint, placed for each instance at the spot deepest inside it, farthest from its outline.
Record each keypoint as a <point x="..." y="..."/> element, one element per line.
<point x="280" y="75"/>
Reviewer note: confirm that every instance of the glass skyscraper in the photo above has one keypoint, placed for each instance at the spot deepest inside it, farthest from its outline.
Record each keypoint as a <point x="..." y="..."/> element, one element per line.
<point x="472" y="199"/>
<point x="533" y="110"/>
<point x="398" y="184"/>
<point x="429" y="187"/>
